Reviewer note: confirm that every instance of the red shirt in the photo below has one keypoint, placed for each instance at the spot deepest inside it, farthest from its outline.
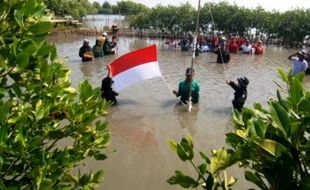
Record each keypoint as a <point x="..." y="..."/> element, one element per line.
<point x="241" y="41"/>
<point x="259" y="50"/>
<point x="214" y="42"/>
<point x="233" y="47"/>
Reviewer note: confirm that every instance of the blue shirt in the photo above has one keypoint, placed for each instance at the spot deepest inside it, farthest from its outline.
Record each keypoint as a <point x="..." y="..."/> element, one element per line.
<point x="299" y="66"/>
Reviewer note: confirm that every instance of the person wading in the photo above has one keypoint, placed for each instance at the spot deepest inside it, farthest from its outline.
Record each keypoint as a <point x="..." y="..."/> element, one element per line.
<point x="106" y="89"/>
<point x="240" y="92"/>
<point x="299" y="62"/>
<point x="184" y="87"/>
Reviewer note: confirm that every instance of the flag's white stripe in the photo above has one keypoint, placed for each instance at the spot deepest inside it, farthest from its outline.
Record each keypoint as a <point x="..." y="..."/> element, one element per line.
<point x="136" y="74"/>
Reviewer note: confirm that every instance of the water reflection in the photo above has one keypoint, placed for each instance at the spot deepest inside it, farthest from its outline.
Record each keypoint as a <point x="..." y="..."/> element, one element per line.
<point x="95" y="67"/>
<point x="187" y="120"/>
<point x="139" y="135"/>
<point x="87" y="68"/>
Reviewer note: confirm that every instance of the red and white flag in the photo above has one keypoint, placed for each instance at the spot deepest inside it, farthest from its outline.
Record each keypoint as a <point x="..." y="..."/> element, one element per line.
<point x="134" y="67"/>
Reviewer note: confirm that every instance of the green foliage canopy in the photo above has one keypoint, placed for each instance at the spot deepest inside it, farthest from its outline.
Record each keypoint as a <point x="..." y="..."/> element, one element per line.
<point x="75" y="8"/>
<point x="290" y="26"/>
<point x="129" y="8"/>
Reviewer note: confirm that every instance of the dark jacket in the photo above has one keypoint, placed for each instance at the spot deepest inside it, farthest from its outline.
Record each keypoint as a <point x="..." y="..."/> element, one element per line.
<point x="106" y="47"/>
<point x="240" y="93"/>
<point x="83" y="50"/>
<point x="223" y="56"/>
<point x="106" y="90"/>
<point x="308" y="68"/>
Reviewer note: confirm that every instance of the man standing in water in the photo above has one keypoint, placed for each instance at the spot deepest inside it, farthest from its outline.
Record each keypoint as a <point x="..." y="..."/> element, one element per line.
<point x="86" y="52"/>
<point x="300" y="64"/>
<point x="223" y="54"/>
<point x="184" y="87"/>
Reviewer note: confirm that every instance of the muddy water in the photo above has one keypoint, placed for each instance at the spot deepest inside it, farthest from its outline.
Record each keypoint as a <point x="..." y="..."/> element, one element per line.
<point x="147" y="114"/>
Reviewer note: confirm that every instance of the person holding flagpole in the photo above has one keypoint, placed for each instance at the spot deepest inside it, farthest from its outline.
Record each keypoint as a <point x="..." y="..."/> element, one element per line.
<point x="107" y="91"/>
<point x="186" y="85"/>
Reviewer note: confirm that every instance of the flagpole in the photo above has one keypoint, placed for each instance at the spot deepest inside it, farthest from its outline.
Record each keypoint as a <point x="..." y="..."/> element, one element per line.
<point x="193" y="57"/>
<point x="168" y="85"/>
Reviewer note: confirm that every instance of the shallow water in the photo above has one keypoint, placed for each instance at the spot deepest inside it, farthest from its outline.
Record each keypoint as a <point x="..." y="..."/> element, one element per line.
<point x="147" y="114"/>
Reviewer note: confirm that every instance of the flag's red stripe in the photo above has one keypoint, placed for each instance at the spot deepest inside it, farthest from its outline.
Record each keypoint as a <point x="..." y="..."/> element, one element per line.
<point x="133" y="59"/>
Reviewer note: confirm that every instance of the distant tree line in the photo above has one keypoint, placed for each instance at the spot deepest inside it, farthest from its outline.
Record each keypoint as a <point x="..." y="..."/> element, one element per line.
<point x="77" y="8"/>
<point x="289" y="27"/>
<point x="123" y="7"/>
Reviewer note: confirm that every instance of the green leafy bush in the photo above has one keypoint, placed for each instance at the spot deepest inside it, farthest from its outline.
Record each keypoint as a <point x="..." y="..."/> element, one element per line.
<point x="40" y="110"/>
<point x="272" y="145"/>
<point x="210" y="175"/>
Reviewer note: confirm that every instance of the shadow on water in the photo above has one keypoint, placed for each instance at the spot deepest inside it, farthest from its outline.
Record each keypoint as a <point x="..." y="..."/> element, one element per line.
<point x="220" y="111"/>
<point x="123" y="102"/>
<point x="168" y="103"/>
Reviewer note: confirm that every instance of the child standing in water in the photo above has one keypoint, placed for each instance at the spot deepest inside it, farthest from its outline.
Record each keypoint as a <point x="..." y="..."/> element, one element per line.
<point x="106" y="89"/>
<point x="240" y="92"/>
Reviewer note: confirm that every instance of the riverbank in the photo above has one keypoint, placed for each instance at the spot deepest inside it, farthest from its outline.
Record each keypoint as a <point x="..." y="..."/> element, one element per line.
<point x="92" y="31"/>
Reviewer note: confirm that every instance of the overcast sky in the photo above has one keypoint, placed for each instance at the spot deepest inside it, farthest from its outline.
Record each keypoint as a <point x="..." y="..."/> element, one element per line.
<point x="280" y="5"/>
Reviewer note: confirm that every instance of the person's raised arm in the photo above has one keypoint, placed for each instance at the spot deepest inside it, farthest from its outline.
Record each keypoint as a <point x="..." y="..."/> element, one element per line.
<point x="232" y="84"/>
<point x="109" y="71"/>
<point x="291" y="56"/>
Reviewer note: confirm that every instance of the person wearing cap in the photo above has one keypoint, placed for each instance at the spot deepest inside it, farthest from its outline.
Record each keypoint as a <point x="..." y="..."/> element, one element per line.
<point x="223" y="41"/>
<point x="102" y="39"/>
<point x="184" y="87"/>
<point x="299" y="62"/>
<point x="86" y="52"/>
<point x="106" y="46"/>
<point x="240" y="94"/>
<point x="114" y="29"/>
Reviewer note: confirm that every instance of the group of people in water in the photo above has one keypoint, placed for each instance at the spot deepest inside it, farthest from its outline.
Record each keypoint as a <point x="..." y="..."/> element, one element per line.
<point x="101" y="48"/>
<point x="219" y="45"/>
<point x="187" y="88"/>
<point x="190" y="87"/>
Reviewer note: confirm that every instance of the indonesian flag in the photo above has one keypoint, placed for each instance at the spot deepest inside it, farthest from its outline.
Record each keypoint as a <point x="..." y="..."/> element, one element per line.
<point x="134" y="67"/>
